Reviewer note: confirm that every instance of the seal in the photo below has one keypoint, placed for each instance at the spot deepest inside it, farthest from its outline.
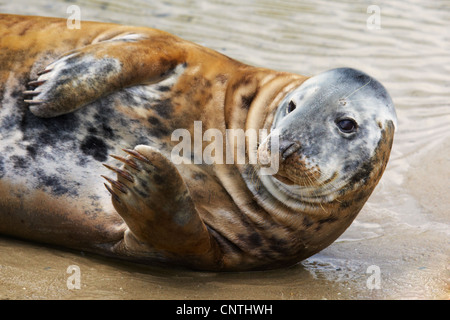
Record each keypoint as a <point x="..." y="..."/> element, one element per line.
<point x="106" y="100"/>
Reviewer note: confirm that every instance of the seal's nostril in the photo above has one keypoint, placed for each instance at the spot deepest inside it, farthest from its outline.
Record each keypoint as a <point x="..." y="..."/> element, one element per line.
<point x="289" y="150"/>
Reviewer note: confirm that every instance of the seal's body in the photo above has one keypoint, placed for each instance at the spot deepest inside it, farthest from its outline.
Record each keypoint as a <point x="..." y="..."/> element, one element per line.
<point x="104" y="88"/>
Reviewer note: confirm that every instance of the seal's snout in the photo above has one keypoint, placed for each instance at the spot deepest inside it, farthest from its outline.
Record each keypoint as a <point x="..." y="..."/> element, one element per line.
<point x="283" y="150"/>
<point x="294" y="167"/>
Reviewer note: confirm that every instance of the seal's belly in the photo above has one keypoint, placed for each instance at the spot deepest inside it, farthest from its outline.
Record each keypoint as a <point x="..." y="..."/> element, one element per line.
<point x="57" y="163"/>
<point x="62" y="155"/>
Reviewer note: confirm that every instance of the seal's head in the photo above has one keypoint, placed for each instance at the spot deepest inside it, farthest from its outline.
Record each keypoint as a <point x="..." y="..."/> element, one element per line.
<point x="335" y="134"/>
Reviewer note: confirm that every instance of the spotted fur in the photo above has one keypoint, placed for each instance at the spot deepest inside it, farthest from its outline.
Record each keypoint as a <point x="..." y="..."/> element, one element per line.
<point x="71" y="98"/>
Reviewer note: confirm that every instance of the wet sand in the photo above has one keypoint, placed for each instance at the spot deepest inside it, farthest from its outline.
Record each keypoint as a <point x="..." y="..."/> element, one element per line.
<point x="403" y="230"/>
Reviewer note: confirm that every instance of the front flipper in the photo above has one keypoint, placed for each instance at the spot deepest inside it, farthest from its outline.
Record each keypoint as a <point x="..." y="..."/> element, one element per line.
<point x="154" y="201"/>
<point x="96" y="70"/>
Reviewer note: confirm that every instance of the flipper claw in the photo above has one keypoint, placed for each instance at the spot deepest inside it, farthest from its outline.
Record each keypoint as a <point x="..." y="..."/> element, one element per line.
<point x="34" y="101"/>
<point x="36" y="83"/>
<point x="128" y="162"/>
<point x="115" y="196"/>
<point x="44" y="72"/>
<point x="123" y="173"/>
<point x="31" y="93"/>
<point x="137" y="155"/>
<point x="116" y="184"/>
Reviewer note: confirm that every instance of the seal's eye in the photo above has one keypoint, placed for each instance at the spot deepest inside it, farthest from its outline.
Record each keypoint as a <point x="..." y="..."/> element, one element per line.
<point x="347" y="125"/>
<point x="291" y="107"/>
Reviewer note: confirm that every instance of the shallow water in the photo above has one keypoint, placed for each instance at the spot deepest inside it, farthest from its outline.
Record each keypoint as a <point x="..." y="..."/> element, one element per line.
<point x="404" y="229"/>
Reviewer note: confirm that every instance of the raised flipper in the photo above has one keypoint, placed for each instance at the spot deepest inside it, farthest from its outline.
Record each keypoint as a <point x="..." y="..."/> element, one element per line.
<point x="154" y="201"/>
<point x="96" y="70"/>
